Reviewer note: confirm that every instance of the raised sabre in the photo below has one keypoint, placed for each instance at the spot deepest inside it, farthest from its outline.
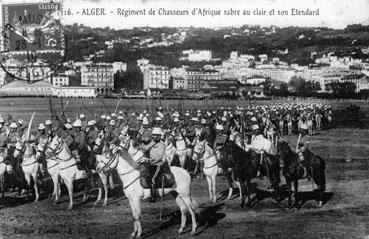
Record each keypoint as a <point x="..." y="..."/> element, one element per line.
<point x="30" y="125"/>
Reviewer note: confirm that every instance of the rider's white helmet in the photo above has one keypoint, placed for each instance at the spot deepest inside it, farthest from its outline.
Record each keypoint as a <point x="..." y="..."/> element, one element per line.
<point x="41" y="126"/>
<point x="112" y="122"/>
<point x="77" y="123"/>
<point x="68" y="126"/>
<point x="13" y="125"/>
<point x="157" y="131"/>
<point x="48" y="122"/>
<point x="145" y="121"/>
<point x="219" y="127"/>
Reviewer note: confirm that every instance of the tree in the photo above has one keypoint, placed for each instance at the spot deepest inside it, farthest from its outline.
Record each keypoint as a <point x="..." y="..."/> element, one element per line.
<point x="303" y="87"/>
<point x="268" y="86"/>
<point x="283" y="89"/>
<point x="342" y="89"/>
<point x="130" y="80"/>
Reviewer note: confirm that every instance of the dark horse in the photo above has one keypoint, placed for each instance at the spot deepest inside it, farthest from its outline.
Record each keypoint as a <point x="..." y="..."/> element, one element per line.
<point x="293" y="171"/>
<point x="245" y="167"/>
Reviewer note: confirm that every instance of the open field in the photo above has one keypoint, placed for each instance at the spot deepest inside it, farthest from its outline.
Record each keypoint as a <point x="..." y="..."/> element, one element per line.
<point x="345" y="214"/>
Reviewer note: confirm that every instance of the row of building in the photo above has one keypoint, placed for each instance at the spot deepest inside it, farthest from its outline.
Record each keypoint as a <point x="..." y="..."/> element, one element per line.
<point x="251" y="70"/>
<point x="99" y="76"/>
<point x="45" y="89"/>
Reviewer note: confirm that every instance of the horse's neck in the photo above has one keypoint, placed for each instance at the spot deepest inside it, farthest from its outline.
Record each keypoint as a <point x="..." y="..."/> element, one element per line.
<point x="208" y="151"/>
<point x="65" y="152"/>
<point x="132" y="149"/>
<point x="28" y="149"/>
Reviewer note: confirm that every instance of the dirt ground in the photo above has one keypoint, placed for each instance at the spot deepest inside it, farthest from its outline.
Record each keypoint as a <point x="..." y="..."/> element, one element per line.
<point x="344" y="215"/>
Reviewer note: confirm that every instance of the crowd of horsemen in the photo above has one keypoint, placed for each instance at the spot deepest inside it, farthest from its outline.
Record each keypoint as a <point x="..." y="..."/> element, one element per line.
<point x="256" y="128"/>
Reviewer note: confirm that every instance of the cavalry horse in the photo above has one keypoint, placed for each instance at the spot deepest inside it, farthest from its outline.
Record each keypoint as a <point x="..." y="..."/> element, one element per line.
<point x="243" y="166"/>
<point x="127" y="164"/>
<point x="29" y="165"/>
<point x="203" y="152"/>
<point x="105" y="175"/>
<point x="176" y="146"/>
<point x="293" y="171"/>
<point x="68" y="168"/>
<point x="53" y="167"/>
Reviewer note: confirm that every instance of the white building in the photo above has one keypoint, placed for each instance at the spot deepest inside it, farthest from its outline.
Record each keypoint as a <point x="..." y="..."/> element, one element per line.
<point x="197" y="55"/>
<point x="99" y="75"/>
<point x="20" y="88"/>
<point x="180" y="83"/>
<point x="119" y="66"/>
<point x="60" y="80"/>
<point x="2" y="76"/>
<point x="74" y="92"/>
<point x="156" y="77"/>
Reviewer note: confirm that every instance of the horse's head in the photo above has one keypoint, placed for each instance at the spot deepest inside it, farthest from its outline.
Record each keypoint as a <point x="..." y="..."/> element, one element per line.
<point x="99" y="142"/>
<point x="41" y="147"/>
<point x="55" y="146"/>
<point x="198" y="150"/>
<point x="283" y="150"/>
<point x="18" y="149"/>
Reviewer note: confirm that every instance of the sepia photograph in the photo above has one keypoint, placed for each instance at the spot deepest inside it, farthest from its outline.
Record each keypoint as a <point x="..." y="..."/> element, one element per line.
<point x="165" y="119"/>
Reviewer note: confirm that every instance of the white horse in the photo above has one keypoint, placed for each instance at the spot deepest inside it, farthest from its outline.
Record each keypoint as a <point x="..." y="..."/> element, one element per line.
<point x="3" y="169"/>
<point x="68" y="168"/>
<point x="182" y="151"/>
<point x="53" y="168"/>
<point x="203" y="152"/>
<point x="29" y="165"/>
<point x="129" y="173"/>
<point x="105" y="175"/>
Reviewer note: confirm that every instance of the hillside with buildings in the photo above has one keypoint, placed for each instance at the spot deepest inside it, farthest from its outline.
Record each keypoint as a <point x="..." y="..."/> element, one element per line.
<point x="227" y="62"/>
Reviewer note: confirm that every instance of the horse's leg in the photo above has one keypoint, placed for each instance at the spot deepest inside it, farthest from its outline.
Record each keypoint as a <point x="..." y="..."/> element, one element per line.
<point x="248" y="192"/>
<point x="213" y="179"/>
<point x="183" y="208"/>
<point x="208" y="178"/>
<point x="104" y="180"/>
<point x="136" y="211"/>
<point x="111" y="182"/>
<point x="69" y="183"/>
<point x="230" y="191"/>
<point x="190" y="206"/>
<point x="35" y="182"/>
<point x="133" y="234"/>
<point x="289" y="191"/>
<point x="319" y="179"/>
<point x="86" y="184"/>
<point x="55" y="179"/>
<point x="296" y="187"/>
<point x="239" y="189"/>
<point x="28" y="180"/>
<point x="230" y="185"/>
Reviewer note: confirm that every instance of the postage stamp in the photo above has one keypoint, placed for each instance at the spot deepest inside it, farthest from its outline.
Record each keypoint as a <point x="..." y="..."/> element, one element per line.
<point x="33" y="45"/>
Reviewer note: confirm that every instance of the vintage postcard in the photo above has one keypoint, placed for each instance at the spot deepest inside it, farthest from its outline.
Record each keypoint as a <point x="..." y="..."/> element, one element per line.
<point x="184" y="119"/>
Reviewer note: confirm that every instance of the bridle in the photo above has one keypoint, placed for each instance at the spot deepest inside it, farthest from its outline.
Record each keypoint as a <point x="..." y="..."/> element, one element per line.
<point x="58" y="148"/>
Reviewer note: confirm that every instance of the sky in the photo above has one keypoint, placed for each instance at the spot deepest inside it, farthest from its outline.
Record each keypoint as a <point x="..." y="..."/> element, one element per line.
<point x="332" y="13"/>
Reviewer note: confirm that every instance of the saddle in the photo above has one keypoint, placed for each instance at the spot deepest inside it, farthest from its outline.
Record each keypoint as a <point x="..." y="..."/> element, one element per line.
<point x="147" y="172"/>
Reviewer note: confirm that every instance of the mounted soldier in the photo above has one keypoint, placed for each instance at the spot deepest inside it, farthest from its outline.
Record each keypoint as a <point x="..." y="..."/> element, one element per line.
<point x="156" y="150"/>
<point x="259" y="145"/>
<point x="144" y="134"/>
<point x="78" y="147"/>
